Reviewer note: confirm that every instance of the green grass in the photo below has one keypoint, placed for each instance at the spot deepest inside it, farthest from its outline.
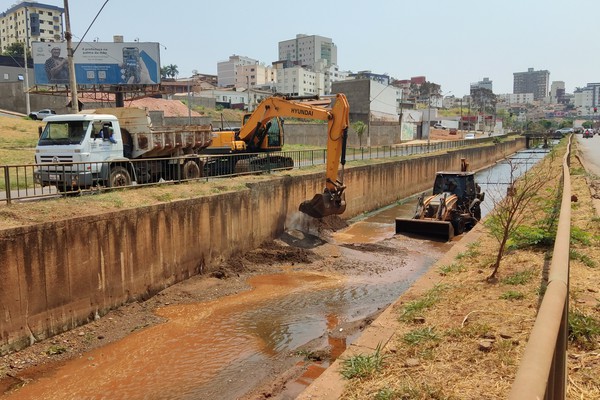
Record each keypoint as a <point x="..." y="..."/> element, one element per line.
<point x="414" y="308"/>
<point x="420" y="335"/>
<point x="363" y="366"/>
<point x="471" y="251"/>
<point x="584" y="330"/>
<point x="512" y="295"/>
<point x="519" y="277"/>
<point x="583" y="258"/>
<point x="451" y="268"/>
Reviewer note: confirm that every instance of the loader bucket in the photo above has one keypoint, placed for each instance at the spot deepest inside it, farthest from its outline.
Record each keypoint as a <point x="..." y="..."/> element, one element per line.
<point x="425" y="227"/>
<point x="322" y="205"/>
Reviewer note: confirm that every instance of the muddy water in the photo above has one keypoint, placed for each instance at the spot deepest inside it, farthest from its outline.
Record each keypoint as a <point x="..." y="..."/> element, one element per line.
<point x="224" y="348"/>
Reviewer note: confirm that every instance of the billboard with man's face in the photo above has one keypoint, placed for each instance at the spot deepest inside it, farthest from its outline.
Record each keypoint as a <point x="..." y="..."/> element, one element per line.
<point x="98" y="63"/>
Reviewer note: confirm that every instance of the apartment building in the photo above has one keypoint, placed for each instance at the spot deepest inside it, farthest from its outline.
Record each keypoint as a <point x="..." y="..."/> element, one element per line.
<point x="227" y="70"/>
<point x="486" y="83"/>
<point x="29" y="21"/>
<point x="308" y="51"/>
<point x="535" y="82"/>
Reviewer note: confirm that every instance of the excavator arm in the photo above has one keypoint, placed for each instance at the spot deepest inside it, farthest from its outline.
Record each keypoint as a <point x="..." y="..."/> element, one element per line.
<point x="252" y="135"/>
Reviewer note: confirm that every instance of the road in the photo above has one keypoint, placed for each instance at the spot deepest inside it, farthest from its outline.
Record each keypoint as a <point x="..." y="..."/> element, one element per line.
<point x="590" y="150"/>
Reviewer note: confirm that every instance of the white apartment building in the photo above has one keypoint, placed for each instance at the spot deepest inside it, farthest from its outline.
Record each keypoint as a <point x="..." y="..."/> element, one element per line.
<point x="516" y="98"/>
<point x="249" y="76"/>
<point x="297" y="81"/>
<point x="29" y="21"/>
<point x="227" y="70"/>
<point x="586" y="99"/>
<point x="307" y="50"/>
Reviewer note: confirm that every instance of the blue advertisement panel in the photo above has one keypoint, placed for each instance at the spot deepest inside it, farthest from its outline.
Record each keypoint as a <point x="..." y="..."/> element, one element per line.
<point x="98" y="63"/>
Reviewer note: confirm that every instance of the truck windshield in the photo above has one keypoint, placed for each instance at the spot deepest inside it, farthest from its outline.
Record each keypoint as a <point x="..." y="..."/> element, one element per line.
<point x="61" y="133"/>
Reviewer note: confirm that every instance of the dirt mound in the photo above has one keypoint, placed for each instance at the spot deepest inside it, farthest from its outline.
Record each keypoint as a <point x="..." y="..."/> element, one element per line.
<point x="371" y="248"/>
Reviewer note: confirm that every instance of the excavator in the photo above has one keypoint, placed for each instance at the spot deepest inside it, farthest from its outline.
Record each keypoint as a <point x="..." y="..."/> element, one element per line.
<point x="262" y="132"/>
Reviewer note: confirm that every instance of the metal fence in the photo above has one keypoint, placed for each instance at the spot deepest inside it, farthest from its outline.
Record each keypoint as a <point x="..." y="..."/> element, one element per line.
<point x="543" y="369"/>
<point x="33" y="181"/>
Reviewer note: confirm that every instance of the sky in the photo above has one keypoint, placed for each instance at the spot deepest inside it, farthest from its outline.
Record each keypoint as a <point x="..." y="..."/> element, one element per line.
<point x="451" y="43"/>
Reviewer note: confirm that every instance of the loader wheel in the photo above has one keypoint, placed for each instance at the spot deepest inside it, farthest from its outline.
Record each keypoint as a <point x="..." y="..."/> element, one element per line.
<point x="119" y="177"/>
<point x="459" y="226"/>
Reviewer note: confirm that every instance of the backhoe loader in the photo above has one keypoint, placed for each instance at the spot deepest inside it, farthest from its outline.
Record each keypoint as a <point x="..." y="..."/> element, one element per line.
<point x="262" y="131"/>
<point x="452" y="209"/>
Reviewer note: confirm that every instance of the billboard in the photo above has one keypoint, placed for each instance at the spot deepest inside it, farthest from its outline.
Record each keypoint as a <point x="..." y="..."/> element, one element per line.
<point x="98" y="63"/>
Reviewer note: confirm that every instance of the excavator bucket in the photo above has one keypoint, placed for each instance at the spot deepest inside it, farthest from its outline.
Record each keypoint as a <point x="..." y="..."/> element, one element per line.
<point x="439" y="229"/>
<point x="323" y="205"/>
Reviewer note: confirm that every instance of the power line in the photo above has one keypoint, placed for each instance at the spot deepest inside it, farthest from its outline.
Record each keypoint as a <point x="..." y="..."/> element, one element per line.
<point x="89" y="27"/>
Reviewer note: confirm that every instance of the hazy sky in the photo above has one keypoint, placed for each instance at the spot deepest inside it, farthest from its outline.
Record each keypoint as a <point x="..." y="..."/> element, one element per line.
<point x="452" y="43"/>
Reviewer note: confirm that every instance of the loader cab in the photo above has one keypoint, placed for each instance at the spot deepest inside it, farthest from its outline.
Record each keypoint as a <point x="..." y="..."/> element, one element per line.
<point x="461" y="184"/>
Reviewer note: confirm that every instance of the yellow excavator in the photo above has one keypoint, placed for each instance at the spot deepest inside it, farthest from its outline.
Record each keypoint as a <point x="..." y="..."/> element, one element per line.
<point x="262" y="132"/>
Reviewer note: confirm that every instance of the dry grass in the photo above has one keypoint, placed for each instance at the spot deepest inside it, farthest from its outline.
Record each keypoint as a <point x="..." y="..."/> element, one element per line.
<point x="18" y="137"/>
<point x="470" y="313"/>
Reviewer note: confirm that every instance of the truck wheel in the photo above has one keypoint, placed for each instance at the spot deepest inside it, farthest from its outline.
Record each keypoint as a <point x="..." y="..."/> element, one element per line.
<point x="119" y="176"/>
<point x="191" y="170"/>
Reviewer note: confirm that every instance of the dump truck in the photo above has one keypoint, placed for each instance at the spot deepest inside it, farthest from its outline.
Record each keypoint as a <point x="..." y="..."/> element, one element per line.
<point x="453" y="208"/>
<point x="115" y="147"/>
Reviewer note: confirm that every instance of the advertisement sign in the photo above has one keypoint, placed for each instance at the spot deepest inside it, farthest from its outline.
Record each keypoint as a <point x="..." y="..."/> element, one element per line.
<point x="98" y="63"/>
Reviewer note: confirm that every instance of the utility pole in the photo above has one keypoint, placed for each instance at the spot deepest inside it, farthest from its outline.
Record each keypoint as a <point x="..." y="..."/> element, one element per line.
<point x="72" y="78"/>
<point x="25" y="46"/>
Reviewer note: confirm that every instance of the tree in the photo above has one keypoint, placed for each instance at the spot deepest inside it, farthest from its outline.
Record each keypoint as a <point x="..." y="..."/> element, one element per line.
<point x="360" y="128"/>
<point x="14" y="50"/>
<point x="172" y="71"/>
<point x="510" y="212"/>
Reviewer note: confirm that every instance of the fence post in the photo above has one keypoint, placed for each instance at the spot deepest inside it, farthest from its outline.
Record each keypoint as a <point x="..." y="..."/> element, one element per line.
<point x="7" y="184"/>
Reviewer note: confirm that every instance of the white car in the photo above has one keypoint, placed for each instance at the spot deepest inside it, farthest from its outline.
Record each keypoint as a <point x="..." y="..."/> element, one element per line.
<point x="469" y="136"/>
<point x="42" y="114"/>
<point x="439" y="126"/>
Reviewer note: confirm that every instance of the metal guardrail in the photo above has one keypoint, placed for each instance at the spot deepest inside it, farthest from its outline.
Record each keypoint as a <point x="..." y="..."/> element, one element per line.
<point x="18" y="182"/>
<point x="543" y="369"/>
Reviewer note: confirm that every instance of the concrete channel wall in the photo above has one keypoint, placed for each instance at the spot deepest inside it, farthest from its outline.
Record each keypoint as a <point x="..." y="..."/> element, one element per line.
<point x="58" y="275"/>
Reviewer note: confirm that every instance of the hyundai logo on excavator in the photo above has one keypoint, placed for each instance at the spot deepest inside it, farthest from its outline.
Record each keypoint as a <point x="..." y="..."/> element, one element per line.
<point x="301" y="112"/>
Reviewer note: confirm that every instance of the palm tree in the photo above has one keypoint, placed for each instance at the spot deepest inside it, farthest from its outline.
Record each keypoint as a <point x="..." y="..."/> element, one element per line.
<point x="171" y="70"/>
<point x="360" y="128"/>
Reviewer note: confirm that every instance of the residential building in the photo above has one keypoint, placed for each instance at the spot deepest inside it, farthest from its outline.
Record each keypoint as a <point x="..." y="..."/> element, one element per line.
<point x="248" y="76"/>
<point x="227" y="98"/>
<point x="557" y="92"/>
<point x="30" y="21"/>
<point x="370" y="99"/>
<point x="308" y="51"/>
<point x="535" y="82"/>
<point x="227" y="70"/>
<point x="516" y="98"/>
<point x="587" y="98"/>
<point x="298" y="81"/>
<point x="486" y="83"/>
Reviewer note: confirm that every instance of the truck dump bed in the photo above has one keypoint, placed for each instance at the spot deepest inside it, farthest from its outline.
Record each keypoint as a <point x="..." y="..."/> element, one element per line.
<point x="166" y="141"/>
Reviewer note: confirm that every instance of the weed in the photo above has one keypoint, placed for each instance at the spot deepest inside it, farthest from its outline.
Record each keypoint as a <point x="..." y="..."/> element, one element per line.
<point x="529" y="236"/>
<point x="586" y="260"/>
<point x="583" y="330"/>
<point x="447" y="269"/>
<point x="362" y="366"/>
<point x="519" y="277"/>
<point x="54" y="350"/>
<point x="580" y="236"/>
<point x="164" y="197"/>
<point x="309" y="355"/>
<point x="577" y="171"/>
<point x="471" y="252"/>
<point x="413" y="308"/>
<point x="512" y="295"/>
<point x="420" y="335"/>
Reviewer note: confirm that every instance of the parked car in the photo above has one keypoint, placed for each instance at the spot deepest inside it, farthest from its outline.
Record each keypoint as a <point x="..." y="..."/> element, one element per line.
<point x="41" y="114"/>
<point x="565" y="131"/>
<point x="438" y="125"/>
<point x="588" y="133"/>
<point x="469" y="136"/>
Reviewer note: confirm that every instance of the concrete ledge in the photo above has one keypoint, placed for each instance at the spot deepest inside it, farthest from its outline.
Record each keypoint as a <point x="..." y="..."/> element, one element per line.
<point x="58" y="275"/>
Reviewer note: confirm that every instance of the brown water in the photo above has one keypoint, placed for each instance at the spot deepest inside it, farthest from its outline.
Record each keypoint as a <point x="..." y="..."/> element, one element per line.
<point x="223" y="348"/>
